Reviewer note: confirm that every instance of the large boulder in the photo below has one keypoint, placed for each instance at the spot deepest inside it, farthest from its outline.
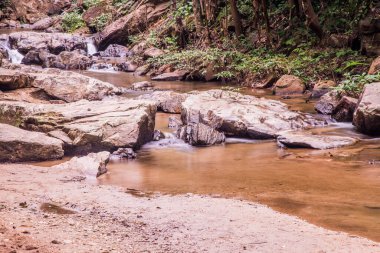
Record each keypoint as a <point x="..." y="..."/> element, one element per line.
<point x="30" y="95"/>
<point x="243" y="116"/>
<point x="18" y="145"/>
<point x="30" y="11"/>
<point x="322" y="87"/>
<point x="305" y="140"/>
<point x="166" y="101"/>
<point x="200" y="135"/>
<point x="43" y="24"/>
<point x="64" y="85"/>
<point x="375" y="66"/>
<point x="153" y="52"/>
<point x="367" y="114"/>
<point x="344" y="110"/>
<point x="91" y="126"/>
<point x="327" y="103"/>
<point x="288" y="85"/>
<point x="52" y="42"/>
<point x="134" y="22"/>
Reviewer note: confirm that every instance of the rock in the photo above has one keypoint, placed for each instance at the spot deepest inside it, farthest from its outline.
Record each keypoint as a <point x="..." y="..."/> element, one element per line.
<point x="288" y="85"/>
<point x="91" y="166"/>
<point x="91" y="126"/>
<point x="115" y="50"/>
<point x="166" y="101"/>
<point x="241" y="115"/>
<point x="339" y="40"/>
<point x="267" y="82"/>
<point x="344" y="110"/>
<point x="200" y="135"/>
<point x="174" y="122"/>
<point x="73" y="60"/>
<point x="144" y="85"/>
<point x="124" y="153"/>
<point x="90" y="15"/>
<point x="30" y="95"/>
<point x="30" y="11"/>
<point x="177" y="75"/>
<point x="18" y="145"/>
<point x="367" y="114"/>
<point x="153" y="52"/>
<point x="143" y="70"/>
<point x="43" y="24"/>
<point x="118" y="31"/>
<point x="327" y="103"/>
<point x="375" y="66"/>
<point x="32" y="58"/>
<point x="51" y="42"/>
<point x="128" y="66"/>
<point x="322" y="87"/>
<point x="304" y="140"/>
<point x="158" y="135"/>
<point x="66" y="86"/>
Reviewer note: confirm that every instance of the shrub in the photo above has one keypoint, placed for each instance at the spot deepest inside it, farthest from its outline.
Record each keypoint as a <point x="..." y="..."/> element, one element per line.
<point x="89" y="3"/>
<point x="353" y="84"/>
<point x="101" y="21"/>
<point x="72" y="21"/>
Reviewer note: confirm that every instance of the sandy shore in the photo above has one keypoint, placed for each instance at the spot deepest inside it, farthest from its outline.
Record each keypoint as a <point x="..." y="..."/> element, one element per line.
<point x="111" y="219"/>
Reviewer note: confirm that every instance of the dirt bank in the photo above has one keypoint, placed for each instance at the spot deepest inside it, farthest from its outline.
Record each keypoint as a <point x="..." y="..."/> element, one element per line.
<point x="42" y="210"/>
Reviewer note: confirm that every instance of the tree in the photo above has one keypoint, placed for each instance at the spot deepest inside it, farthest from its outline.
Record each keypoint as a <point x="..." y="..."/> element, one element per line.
<point x="311" y="18"/>
<point x="236" y="18"/>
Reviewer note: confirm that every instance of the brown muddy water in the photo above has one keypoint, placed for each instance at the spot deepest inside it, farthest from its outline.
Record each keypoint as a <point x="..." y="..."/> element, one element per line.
<point x="337" y="189"/>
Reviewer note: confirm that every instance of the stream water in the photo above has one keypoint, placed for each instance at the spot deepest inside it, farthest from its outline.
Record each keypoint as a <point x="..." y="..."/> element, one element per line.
<point x="337" y="189"/>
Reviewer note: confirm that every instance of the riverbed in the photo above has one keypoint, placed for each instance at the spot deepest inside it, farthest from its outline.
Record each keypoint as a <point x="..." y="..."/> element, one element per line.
<point x="337" y="189"/>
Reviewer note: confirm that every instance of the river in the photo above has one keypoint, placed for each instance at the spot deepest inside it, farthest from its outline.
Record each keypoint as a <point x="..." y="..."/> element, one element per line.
<point x="337" y="189"/>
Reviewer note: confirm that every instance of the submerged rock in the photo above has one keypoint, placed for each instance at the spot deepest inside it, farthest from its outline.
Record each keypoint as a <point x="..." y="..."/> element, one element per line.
<point x="367" y="114"/>
<point x="166" y="101"/>
<point x="305" y="140"/>
<point x="177" y="75"/>
<point x="242" y="116"/>
<point x="18" y="145"/>
<point x="91" y="126"/>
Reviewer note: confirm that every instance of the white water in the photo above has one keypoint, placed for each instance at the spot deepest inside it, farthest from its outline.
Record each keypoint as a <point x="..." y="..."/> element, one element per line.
<point x="107" y="68"/>
<point x="13" y="55"/>
<point x="91" y="48"/>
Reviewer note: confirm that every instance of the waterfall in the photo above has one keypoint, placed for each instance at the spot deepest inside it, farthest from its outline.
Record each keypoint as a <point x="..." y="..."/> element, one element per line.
<point x="91" y="48"/>
<point x="13" y="55"/>
<point x="103" y="67"/>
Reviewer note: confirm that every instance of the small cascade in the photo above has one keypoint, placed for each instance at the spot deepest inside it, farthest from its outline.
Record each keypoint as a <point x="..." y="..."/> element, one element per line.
<point x="13" y="55"/>
<point x="91" y="48"/>
<point x="103" y="67"/>
<point x="170" y="141"/>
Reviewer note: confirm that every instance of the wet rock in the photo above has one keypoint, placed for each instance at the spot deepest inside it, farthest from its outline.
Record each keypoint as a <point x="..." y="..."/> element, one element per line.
<point x="158" y="135"/>
<point x="322" y="87"/>
<point x="18" y="145"/>
<point x="114" y="50"/>
<point x="91" y="166"/>
<point x="327" y="103"/>
<point x="344" y="110"/>
<point x="128" y="66"/>
<point x="118" y="31"/>
<point x="166" y="101"/>
<point x="63" y="85"/>
<point x="174" y="122"/>
<point x="32" y="58"/>
<point x="143" y="70"/>
<point x="305" y="140"/>
<point x="375" y="66"/>
<point x="241" y="115"/>
<point x="200" y="135"/>
<point x="51" y="42"/>
<point x="177" y="75"/>
<point x="91" y="126"/>
<point x="124" y="153"/>
<point x="73" y="60"/>
<point x="288" y="85"/>
<point x="144" y="85"/>
<point x="267" y="82"/>
<point x="153" y="52"/>
<point x="367" y="114"/>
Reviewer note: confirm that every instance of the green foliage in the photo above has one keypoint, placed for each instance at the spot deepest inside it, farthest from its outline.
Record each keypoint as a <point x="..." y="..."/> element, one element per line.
<point x="184" y="9"/>
<point x="72" y="21"/>
<point x="4" y="4"/>
<point x="90" y="3"/>
<point x="353" y="85"/>
<point x="119" y="3"/>
<point x="101" y="21"/>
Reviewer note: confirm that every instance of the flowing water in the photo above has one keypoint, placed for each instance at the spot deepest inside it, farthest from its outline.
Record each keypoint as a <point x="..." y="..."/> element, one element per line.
<point x="337" y="189"/>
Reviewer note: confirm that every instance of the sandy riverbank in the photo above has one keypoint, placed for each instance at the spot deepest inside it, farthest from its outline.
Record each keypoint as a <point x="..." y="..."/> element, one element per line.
<point x="110" y="219"/>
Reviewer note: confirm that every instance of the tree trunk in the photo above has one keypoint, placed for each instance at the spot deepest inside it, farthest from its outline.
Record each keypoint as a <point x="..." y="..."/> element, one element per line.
<point x="311" y="18"/>
<point x="197" y="16"/>
<point x="236" y="18"/>
<point x="266" y="17"/>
